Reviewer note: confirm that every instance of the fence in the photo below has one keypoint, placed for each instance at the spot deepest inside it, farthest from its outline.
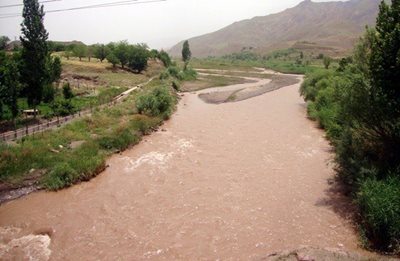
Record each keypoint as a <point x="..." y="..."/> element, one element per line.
<point x="31" y="130"/>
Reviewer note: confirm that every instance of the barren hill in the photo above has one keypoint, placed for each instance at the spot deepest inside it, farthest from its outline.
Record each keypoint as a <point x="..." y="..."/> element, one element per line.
<point x="330" y="26"/>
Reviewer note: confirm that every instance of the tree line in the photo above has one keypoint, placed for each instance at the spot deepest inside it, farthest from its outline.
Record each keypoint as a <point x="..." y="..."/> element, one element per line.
<point x="359" y="106"/>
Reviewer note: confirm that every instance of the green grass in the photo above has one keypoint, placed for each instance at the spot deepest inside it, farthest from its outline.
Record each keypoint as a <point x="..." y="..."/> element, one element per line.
<point x="285" y="61"/>
<point x="210" y="81"/>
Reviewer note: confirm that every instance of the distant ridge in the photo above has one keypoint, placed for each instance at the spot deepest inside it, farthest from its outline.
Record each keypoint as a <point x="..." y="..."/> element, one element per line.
<point x="329" y="27"/>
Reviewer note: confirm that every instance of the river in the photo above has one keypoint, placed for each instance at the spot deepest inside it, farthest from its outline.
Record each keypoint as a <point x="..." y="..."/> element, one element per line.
<point x="232" y="181"/>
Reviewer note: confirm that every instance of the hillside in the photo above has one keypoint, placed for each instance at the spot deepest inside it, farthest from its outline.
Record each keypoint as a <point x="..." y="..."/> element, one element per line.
<point x="330" y="27"/>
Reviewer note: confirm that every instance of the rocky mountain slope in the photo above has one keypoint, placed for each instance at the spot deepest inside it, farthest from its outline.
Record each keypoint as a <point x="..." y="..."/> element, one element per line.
<point x="328" y="26"/>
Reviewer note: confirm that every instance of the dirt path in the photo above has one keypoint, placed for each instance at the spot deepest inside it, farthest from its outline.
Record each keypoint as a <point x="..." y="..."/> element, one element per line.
<point x="232" y="181"/>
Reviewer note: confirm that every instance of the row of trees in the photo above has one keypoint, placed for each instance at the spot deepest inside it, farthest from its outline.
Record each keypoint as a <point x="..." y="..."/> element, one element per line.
<point x="134" y="57"/>
<point x="359" y="106"/>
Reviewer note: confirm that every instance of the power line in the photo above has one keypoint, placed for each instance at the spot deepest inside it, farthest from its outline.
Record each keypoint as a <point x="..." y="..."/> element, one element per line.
<point x="110" y="4"/>
<point x="15" y="5"/>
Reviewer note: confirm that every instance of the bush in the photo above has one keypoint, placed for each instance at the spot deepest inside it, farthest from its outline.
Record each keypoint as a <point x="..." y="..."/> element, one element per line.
<point x="176" y="85"/>
<point x="49" y="93"/>
<point x="379" y="203"/>
<point x="164" y="75"/>
<point x="67" y="91"/>
<point x="313" y="83"/>
<point x="119" y="140"/>
<point x="165" y="59"/>
<point x="173" y="71"/>
<point x="62" y="175"/>
<point x="159" y="102"/>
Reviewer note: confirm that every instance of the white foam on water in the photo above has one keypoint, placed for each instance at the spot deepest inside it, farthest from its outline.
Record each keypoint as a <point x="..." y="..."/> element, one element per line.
<point x="158" y="158"/>
<point x="30" y="247"/>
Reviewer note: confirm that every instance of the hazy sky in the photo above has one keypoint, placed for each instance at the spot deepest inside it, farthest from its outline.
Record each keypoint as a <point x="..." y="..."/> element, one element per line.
<point x="160" y="25"/>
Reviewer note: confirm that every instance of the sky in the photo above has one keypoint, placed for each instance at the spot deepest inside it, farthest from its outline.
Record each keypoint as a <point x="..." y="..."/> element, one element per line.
<point x="159" y="24"/>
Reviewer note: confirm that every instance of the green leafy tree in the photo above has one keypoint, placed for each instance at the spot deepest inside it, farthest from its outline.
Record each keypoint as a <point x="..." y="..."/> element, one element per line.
<point x="67" y="54"/>
<point x="101" y="51"/>
<point x="111" y="58"/>
<point x="89" y="52"/>
<point x="186" y="53"/>
<point x="34" y="52"/>
<point x="153" y="54"/>
<point x="80" y="51"/>
<point x="3" y="42"/>
<point x="327" y="62"/>
<point x="165" y="59"/>
<point x="121" y="51"/>
<point x="67" y="91"/>
<point x="9" y="85"/>
<point x="55" y="69"/>
<point x="138" y="57"/>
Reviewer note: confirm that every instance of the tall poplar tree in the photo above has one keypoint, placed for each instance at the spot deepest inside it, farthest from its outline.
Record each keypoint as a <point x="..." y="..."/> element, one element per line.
<point x="34" y="52"/>
<point x="186" y="53"/>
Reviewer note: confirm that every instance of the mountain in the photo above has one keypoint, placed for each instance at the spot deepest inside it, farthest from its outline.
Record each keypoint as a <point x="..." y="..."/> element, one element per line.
<point x="331" y="27"/>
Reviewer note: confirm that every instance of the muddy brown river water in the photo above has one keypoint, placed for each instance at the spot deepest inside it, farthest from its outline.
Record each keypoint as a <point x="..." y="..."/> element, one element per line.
<point x="234" y="181"/>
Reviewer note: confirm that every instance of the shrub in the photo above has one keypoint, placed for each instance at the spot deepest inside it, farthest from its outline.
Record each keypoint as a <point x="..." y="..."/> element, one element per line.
<point x="67" y="91"/>
<point x="159" y="102"/>
<point x="379" y="203"/>
<point x="173" y="71"/>
<point x="189" y="74"/>
<point x="176" y="85"/>
<point x="164" y="75"/>
<point x="49" y="93"/>
<point x="62" y="175"/>
<point x="165" y="59"/>
<point x="119" y="140"/>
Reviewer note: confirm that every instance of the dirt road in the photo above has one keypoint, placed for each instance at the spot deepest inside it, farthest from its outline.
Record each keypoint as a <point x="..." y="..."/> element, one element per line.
<point x="232" y="181"/>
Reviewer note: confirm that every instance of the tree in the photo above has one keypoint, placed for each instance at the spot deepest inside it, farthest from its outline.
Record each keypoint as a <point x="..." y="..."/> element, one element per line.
<point x="138" y="57"/>
<point x="121" y="51"/>
<point x="164" y="57"/>
<point x="3" y="42"/>
<point x="55" y="69"/>
<point x="34" y="52"/>
<point x="327" y="62"/>
<point x="67" y="91"/>
<point x="89" y="52"/>
<point x="67" y="54"/>
<point x="80" y="51"/>
<point x="186" y="53"/>
<point x="111" y="58"/>
<point x="9" y="85"/>
<point x="101" y="51"/>
<point x="384" y="73"/>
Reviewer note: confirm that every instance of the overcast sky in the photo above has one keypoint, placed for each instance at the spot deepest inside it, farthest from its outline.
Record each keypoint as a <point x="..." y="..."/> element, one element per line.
<point x="160" y="24"/>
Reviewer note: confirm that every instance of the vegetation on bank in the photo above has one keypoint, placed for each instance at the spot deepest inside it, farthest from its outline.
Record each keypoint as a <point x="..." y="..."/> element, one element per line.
<point x="358" y="105"/>
<point x="105" y="132"/>
<point x="76" y="152"/>
<point x="289" y="60"/>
